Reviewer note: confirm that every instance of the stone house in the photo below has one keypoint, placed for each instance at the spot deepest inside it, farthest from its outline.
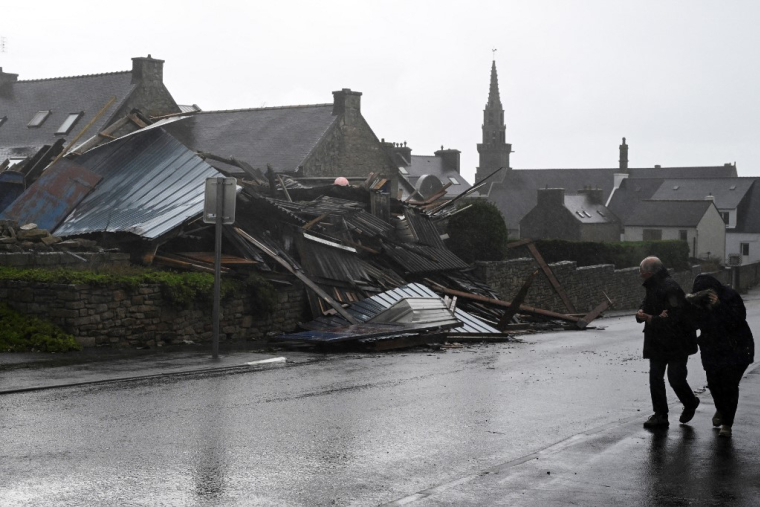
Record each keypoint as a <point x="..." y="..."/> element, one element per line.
<point x="39" y="112"/>
<point x="314" y="144"/>
<point x="697" y="222"/>
<point x="421" y="176"/>
<point x="579" y="217"/>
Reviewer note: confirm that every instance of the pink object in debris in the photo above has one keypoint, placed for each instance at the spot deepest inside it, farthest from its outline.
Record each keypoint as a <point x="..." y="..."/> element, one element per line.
<point x="340" y="180"/>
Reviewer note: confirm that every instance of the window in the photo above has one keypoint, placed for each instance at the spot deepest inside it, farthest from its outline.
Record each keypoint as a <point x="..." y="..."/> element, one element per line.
<point x="682" y="235"/>
<point x="453" y="180"/>
<point x="403" y="170"/>
<point x="744" y="247"/>
<point x="725" y="215"/>
<point x="2" y="120"/>
<point x="38" y="119"/>
<point x="600" y="212"/>
<point x="652" y="234"/>
<point x="68" y="123"/>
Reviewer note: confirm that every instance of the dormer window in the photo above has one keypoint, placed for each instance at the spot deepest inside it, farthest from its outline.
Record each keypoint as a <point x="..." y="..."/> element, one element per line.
<point x="453" y="180"/>
<point x="38" y="119"/>
<point x="68" y="123"/>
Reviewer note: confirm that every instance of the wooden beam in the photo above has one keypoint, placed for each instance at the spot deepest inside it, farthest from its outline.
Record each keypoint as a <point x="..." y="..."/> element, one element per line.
<point x="311" y="223"/>
<point x="530" y="310"/>
<point x="298" y="274"/>
<point x="583" y="322"/>
<point x="519" y="242"/>
<point x="552" y="279"/>
<point x="516" y="302"/>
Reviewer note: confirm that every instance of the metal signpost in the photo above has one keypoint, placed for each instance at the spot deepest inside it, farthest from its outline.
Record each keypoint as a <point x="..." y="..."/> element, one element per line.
<point x="219" y="209"/>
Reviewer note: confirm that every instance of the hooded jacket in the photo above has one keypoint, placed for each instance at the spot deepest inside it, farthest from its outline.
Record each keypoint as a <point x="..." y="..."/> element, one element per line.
<point x="725" y="338"/>
<point x="668" y="337"/>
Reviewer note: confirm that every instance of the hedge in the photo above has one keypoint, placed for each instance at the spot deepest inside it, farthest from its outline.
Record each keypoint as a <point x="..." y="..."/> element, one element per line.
<point x="674" y="254"/>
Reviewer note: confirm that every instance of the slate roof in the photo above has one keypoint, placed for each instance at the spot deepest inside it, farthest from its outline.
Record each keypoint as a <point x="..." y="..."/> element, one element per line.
<point x="632" y="191"/>
<point x="20" y="101"/>
<point x="581" y="205"/>
<point x="515" y="195"/>
<point x="668" y="213"/>
<point x="430" y="164"/>
<point x="282" y="137"/>
<point x="727" y="192"/>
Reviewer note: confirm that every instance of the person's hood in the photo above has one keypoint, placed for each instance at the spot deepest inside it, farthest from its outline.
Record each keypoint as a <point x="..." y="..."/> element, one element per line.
<point x="704" y="282"/>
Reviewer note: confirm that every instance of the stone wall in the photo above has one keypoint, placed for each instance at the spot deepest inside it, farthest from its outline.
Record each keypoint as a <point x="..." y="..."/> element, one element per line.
<point x="84" y="260"/>
<point x="585" y="286"/>
<point x="111" y="317"/>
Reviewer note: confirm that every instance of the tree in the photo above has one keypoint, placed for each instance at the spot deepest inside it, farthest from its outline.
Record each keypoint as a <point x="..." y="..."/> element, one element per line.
<point x="478" y="233"/>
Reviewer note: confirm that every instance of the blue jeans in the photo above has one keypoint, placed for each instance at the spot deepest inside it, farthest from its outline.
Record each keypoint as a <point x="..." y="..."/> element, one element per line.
<point x="677" y="372"/>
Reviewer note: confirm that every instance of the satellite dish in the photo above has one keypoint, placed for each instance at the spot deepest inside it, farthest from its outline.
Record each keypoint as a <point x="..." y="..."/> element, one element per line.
<point x="428" y="185"/>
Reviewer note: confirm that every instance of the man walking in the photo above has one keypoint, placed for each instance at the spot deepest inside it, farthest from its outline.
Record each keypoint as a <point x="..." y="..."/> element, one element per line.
<point x="669" y="340"/>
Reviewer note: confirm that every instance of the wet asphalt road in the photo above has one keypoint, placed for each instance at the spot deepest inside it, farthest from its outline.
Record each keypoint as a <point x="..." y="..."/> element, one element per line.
<point x="426" y="428"/>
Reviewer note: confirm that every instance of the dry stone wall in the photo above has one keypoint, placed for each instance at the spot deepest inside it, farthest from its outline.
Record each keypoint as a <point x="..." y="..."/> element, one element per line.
<point x="585" y="286"/>
<point x="111" y="317"/>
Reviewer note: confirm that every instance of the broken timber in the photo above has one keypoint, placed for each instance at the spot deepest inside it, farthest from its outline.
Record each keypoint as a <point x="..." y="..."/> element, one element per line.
<point x="298" y="274"/>
<point x="547" y="271"/>
<point x="516" y="302"/>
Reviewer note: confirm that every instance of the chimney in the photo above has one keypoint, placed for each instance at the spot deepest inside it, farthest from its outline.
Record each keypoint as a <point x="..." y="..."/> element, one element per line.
<point x="624" y="157"/>
<point x="147" y="69"/>
<point x="345" y="102"/>
<point x="6" y="78"/>
<point x="450" y="159"/>
<point x="594" y="195"/>
<point x="551" y="197"/>
<point x="398" y="152"/>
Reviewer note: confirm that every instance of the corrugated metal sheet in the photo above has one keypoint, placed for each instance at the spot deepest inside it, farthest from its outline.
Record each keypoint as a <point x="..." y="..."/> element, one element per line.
<point x="151" y="185"/>
<point x="12" y="185"/>
<point x="55" y="193"/>
<point x="423" y="228"/>
<point x="424" y="259"/>
<point x="368" y="308"/>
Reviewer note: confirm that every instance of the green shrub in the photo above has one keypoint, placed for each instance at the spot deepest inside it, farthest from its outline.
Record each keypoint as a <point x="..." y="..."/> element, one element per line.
<point x="479" y="233"/>
<point x="674" y="254"/>
<point x="24" y="333"/>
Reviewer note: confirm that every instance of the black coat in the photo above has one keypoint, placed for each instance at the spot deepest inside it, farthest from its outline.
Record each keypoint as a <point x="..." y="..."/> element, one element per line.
<point x="725" y="338"/>
<point x="672" y="336"/>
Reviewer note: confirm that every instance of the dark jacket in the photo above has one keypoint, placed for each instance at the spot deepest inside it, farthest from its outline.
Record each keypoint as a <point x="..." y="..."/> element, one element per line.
<point x="725" y="338"/>
<point x="672" y="336"/>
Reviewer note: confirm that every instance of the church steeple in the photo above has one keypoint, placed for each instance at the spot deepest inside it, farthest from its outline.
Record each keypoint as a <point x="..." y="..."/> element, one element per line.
<point x="494" y="150"/>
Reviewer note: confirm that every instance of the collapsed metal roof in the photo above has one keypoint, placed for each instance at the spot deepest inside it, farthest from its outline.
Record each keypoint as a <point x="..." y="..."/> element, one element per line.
<point x="151" y="184"/>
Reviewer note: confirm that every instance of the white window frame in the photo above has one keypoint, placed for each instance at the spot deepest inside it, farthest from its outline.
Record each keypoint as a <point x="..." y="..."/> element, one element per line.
<point x="39" y="118"/>
<point x="69" y="123"/>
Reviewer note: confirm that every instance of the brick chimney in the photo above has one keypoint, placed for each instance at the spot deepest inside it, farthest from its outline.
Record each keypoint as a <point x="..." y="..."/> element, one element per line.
<point x="624" y="157"/>
<point x="551" y="197"/>
<point x="147" y="69"/>
<point x="450" y="159"/>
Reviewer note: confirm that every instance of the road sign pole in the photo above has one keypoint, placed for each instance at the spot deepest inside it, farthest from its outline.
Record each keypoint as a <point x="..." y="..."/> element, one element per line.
<point x="217" y="264"/>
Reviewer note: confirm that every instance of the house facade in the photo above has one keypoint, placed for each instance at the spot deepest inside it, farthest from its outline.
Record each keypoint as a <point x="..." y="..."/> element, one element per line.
<point x="421" y="176"/>
<point x="697" y="222"/>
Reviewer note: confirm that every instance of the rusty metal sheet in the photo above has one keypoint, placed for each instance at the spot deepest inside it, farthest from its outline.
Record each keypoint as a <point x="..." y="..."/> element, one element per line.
<point x="51" y="198"/>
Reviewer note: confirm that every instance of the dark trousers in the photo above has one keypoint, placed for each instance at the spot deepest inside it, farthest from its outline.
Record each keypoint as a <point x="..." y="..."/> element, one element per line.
<point x="676" y="377"/>
<point x="724" y="387"/>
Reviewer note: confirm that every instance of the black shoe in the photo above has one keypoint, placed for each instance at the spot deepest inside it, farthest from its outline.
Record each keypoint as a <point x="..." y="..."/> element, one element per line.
<point x="657" y="421"/>
<point x="717" y="419"/>
<point x="688" y="412"/>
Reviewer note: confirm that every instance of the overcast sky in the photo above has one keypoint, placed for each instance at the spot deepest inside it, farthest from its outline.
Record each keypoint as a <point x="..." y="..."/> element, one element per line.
<point x="679" y="79"/>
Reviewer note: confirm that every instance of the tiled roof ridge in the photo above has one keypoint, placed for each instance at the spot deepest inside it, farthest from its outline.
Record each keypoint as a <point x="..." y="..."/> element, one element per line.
<point x="242" y="110"/>
<point x="73" y="77"/>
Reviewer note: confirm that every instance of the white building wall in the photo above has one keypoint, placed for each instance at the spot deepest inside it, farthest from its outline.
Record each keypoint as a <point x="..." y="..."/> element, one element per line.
<point x="734" y="241"/>
<point x="711" y="235"/>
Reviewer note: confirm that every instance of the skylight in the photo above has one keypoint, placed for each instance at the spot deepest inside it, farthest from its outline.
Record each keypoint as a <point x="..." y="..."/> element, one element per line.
<point x="453" y="180"/>
<point x="38" y="118"/>
<point x="2" y="120"/>
<point x="403" y="170"/>
<point x="68" y="123"/>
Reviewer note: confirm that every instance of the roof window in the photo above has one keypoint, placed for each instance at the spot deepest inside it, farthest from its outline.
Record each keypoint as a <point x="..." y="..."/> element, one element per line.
<point x="2" y="120"/>
<point x="453" y="180"/>
<point x="68" y="123"/>
<point x="38" y="119"/>
<point x="580" y="214"/>
<point x="403" y="170"/>
<point x="600" y="212"/>
<point x="733" y="187"/>
<point x="675" y="187"/>
<point x="588" y="215"/>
